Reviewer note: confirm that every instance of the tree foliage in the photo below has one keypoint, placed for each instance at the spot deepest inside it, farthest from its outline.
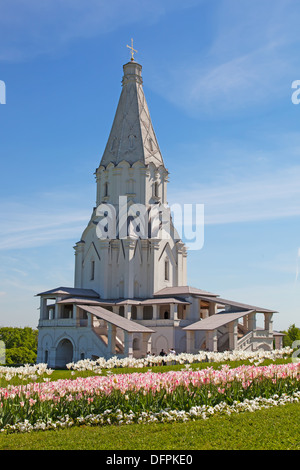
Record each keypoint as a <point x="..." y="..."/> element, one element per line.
<point x="291" y="335"/>
<point x="20" y="344"/>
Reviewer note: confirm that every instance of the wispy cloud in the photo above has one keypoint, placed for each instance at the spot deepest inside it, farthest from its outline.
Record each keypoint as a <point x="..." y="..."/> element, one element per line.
<point x="32" y="27"/>
<point x="27" y="224"/>
<point x="249" y="198"/>
<point x="249" y="61"/>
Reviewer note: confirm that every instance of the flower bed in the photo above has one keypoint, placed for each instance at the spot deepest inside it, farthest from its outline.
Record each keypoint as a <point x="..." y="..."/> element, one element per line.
<point x="127" y="398"/>
<point x="27" y="372"/>
<point x="183" y="358"/>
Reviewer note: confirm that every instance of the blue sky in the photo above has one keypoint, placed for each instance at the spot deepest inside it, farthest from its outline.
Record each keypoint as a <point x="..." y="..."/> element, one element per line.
<point x="217" y="78"/>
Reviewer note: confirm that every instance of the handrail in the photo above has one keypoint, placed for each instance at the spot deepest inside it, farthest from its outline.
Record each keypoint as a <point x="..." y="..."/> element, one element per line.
<point x="244" y="339"/>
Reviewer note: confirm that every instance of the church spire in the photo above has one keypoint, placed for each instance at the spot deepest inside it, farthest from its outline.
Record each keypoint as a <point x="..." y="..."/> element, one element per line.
<point x="132" y="137"/>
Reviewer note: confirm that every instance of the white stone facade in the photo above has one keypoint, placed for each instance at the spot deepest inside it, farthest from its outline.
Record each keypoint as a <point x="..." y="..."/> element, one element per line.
<point x="130" y="293"/>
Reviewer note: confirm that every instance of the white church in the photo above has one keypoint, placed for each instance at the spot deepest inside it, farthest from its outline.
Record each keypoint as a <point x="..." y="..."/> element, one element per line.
<point x="130" y="294"/>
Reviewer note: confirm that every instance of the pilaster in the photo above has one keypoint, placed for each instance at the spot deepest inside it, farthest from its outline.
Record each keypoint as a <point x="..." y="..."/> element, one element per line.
<point x="79" y="250"/>
<point x="104" y="246"/>
<point x="129" y="247"/>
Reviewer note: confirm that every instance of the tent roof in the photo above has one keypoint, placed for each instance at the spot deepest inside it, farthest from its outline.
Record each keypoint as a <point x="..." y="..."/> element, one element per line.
<point x="183" y="290"/>
<point x="232" y="303"/>
<point x="123" y="323"/>
<point x="71" y="291"/>
<point x="217" y="320"/>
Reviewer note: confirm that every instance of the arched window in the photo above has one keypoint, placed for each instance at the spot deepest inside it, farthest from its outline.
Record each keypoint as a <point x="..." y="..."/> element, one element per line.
<point x="105" y="189"/>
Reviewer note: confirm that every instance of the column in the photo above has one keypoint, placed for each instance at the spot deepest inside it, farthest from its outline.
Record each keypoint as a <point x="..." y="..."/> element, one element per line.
<point x="146" y="346"/>
<point x="190" y="341"/>
<point x="212" y="340"/>
<point x="43" y="309"/>
<point x="174" y="311"/>
<point x="127" y="311"/>
<point x="215" y="340"/>
<point x="252" y="321"/>
<point x="128" y="340"/>
<point x="194" y="308"/>
<point x="187" y="312"/>
<point x="269" y="323"/>
<point x="212" y="308"/>
<point x="233" y="335"/>
<point x="74" y="315"/>
<point x="111" y="333"/>
<point x="155" y="312"/>
<point x="57" y="309"/>
<point x="139" y="312"/>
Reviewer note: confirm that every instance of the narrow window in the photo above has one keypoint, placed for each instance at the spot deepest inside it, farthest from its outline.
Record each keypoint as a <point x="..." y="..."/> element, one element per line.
<point x="92" y="270"/>
<point x="105" y="189"/>
<point x="166" y="270"/>
<point x="155" y="189"/>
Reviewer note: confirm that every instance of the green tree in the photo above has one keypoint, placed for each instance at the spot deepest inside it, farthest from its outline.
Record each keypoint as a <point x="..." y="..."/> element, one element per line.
<point x="20" y="356"/>
<point x="291" y="335"/>
<point x="20" y="344"/>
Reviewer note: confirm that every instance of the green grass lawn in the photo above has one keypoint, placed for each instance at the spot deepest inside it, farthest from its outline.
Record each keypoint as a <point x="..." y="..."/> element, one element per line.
<point x="273" y="429"/>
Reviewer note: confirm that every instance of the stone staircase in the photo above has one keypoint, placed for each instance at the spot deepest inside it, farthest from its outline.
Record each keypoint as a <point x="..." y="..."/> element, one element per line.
<point x="101" y="334"/>
<point x="244" y="339"/>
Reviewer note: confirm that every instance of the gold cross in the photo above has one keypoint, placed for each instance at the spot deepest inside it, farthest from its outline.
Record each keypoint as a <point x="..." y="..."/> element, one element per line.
<point x="132" y="50"/>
